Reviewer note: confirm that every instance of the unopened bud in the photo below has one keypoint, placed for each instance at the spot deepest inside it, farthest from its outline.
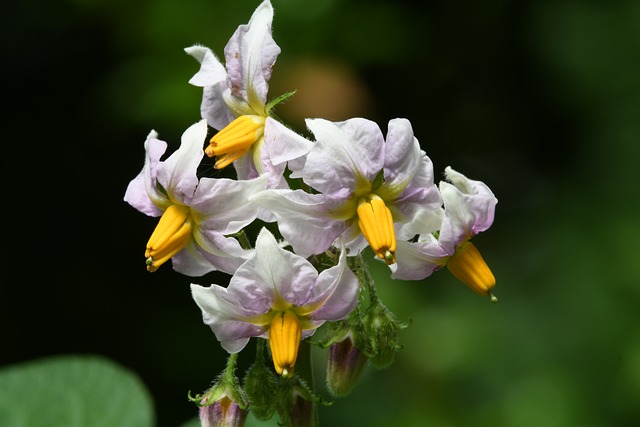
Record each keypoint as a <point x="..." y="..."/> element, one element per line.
<point x="381" y="327"/>
<point x="345" y="364"/>
<point x="224" y="412"/>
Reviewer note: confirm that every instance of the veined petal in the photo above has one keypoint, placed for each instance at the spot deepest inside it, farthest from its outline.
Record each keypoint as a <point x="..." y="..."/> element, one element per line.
<point x="288" y="275"/>
<point x="478" y="198"/>
<point x="402" y="158"/>
<point x="417" y="260"/>
<point x="309" y="222"/>
<point x="352" y="150"/>
<point x="211" y="69"/>
<point x="142" y="192"/>
<point x="178" y="174"/>
<point x="335" y="293"/>
<point x="221" y="252"/>
<point x="250" y="55"/>
<point x="223" y="204"/>
<point x="228" y="318"/>
<point x="283" y="143"/>
<point x="191" y="262"/>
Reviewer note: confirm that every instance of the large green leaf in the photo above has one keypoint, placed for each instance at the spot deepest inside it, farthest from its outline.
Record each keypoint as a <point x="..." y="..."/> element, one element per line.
<point x="73" y="391"/>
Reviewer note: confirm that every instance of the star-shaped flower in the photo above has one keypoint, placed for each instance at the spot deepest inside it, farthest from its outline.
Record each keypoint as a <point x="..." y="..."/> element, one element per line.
<point x="235" y="102"/>
<point x="469" y="208"/>
<point x="196" y="215"/>
<point x="366" y="190"/>
<point x="278" y="295"/>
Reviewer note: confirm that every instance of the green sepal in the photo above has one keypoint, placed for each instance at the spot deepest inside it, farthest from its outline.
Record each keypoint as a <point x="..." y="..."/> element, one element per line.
<point x="279" y="100"/>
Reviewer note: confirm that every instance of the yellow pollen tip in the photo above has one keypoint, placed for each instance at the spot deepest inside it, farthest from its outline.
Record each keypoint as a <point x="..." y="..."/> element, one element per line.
<point x="233" y="141"/>
<point x="376" y="224"/>
<point x="170" y="236"/>
<point x="470" y="268"/>
<point x="285" y="334"/>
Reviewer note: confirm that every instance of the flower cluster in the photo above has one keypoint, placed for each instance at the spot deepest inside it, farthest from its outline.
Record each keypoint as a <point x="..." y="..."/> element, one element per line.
<point x="320" y="204"/>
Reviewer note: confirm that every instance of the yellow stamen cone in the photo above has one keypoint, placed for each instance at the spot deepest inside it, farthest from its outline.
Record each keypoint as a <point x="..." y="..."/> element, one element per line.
<point x="285" y="333"/>
<point x="170" y="236"/>
<point x="235" y="139"/>
<point x="376" y="224"/>
<point x="470" y="268"/>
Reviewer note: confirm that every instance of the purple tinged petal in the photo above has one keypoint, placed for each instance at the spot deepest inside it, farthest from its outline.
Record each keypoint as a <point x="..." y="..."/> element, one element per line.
<point x="142" y="192"/>
<point x="469" y="209"/>
<point x="283" y="143"/>
<point x="250" y="55"/>
<point x="226" y="315"/>
<point x="191" y="262"/>
<point x="417" y="260"/>
<point x="309" y="222"/>
<point x="335" y="291"/>
<point x="285" y="275"/>
<point x="402" y="156"/>
<point x="211" y="69"/>
<point x="221" y="252"/>
<point x="178" y="174"/>
<point x="352" y="150"/>
<point x="223" y="204"/>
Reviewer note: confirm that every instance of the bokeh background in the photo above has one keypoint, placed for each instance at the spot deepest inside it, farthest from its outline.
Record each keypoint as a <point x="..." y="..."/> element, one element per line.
<point x="538" y="99"/>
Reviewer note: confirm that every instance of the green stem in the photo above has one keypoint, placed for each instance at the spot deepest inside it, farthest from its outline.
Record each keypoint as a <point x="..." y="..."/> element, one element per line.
<point x="243" y="239"/>
<point x="229" y="372"/>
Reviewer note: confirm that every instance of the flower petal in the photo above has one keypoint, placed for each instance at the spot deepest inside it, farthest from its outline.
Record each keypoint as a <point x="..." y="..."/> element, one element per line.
<point x="417" y="260"/>
<point x="469" y="208"/>
<point x="223" y="205"/>
<point x="142" y="192"/>
<point x="282" y="273"/>
<point x="178" y="174"/>
<point x="335" y="292"/>
<point x="250" y="55"/>
<point x="351" y="150"/>
<point x="307" y="221"/>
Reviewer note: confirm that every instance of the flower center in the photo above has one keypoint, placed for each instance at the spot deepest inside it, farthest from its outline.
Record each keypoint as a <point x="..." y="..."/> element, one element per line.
<point x="235" y="139"/>
<point x="470" y="268"/>
<point x="170" y="236"/>
<point x="376" y="224"/>
<point x="285" y="333"/>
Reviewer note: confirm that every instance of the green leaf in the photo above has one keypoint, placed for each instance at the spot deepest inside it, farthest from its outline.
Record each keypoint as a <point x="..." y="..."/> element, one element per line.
<point x="73" y="391"/>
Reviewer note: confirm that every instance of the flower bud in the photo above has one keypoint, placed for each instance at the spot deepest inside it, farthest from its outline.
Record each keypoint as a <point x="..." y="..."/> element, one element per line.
<point x="260" y="386"/>
<point x="345" y="364"/>
<point x="296" y="405"/>
<point x="381" y="327"/>
<point x="220" y="409"/>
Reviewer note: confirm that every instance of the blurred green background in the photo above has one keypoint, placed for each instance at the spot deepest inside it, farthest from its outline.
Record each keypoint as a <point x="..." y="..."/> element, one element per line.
<point x="538" y="99"/>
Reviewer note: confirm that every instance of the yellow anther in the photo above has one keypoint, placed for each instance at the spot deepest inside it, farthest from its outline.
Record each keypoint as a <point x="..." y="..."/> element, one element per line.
<point x="470" y="268"/>
<point x="170" y="236"/>
<point x="235" y="139"/>
<point x="285" y="333"/>
<point x="376" y="224"/>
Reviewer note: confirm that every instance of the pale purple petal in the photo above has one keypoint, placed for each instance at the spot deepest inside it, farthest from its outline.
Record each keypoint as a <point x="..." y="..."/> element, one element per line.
<point x="283" y="143"/>
<point x="335" y="291"/>
<point x="178" y="174"/>
<point x="226" y="317"/>
<point x="286" y="274"/>
<point x="211" y="69"/>
<point x="250" y="55"/>
<point x="307" y="221"/>
<point x="221" y="252"/>
<point x="343" y="152"/>
<point x="417" y="260"/>
<point x="469" y="208"/>
<point x="190" y="261"/>
<point x="402" y="156"/>
<point x="142" y="192"/>
<point x="223" y="205"/>
<point x="478" y="197"/>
